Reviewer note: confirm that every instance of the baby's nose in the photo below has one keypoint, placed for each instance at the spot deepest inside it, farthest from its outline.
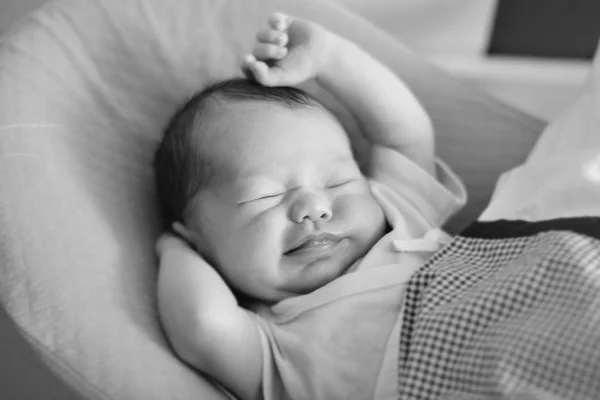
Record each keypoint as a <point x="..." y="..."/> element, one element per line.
<point x="310" y="205"/>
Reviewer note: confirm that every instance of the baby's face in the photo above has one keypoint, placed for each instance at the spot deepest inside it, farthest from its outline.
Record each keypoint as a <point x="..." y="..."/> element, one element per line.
<point x="290" y="210"/>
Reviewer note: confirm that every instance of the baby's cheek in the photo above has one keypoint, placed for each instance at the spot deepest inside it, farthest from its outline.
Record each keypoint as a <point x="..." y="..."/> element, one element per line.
<point x="361" y="210"/>
<point x="249" y="262"/>
<point x="264" y="235"/>
<point x="374" y="217"/>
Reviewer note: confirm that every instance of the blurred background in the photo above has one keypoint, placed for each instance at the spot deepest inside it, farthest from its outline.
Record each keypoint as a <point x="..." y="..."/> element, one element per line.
<point x="531" y="54"/>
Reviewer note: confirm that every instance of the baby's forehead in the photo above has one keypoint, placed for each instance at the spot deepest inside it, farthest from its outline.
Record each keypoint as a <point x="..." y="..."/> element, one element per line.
<point x="256" y="136"/>
<point x="221" y="118"/>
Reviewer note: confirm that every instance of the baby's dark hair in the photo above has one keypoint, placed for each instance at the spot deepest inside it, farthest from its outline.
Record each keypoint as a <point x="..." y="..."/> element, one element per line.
<point x="180" y="168"/>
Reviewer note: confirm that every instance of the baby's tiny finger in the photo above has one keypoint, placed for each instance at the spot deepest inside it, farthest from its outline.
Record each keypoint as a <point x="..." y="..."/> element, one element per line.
<point x="283" y="39"/>
<point x="259" y="70"/>
<point x="246" y="64"/>
<point x="267" y="51"/>
<point x="269" y="35"/>
<point x="279" y="21"/>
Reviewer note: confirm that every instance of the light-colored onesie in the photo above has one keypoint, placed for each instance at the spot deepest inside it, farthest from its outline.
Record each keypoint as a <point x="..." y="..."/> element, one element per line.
<point x="341" y="340"/>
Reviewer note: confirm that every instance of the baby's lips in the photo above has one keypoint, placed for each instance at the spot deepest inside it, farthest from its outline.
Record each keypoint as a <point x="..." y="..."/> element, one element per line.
<point x="313" y="239"/>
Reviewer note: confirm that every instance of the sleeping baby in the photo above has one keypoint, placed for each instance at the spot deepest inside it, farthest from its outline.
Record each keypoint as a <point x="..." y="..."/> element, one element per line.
<point x="284" y="276"/>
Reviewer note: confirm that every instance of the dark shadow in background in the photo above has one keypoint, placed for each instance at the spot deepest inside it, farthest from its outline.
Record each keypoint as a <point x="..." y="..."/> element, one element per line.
<point x="546" y="28"/>
<point x="23" y="376"/>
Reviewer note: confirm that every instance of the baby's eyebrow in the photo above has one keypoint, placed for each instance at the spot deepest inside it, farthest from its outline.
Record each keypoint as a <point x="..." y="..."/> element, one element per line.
<point x="256" y="175"/>
<point x="255" y="182"/>
<point x="346" y="160"/>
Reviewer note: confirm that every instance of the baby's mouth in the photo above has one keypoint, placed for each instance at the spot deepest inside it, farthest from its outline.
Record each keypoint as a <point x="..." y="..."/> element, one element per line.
<point x="319" y="243"/>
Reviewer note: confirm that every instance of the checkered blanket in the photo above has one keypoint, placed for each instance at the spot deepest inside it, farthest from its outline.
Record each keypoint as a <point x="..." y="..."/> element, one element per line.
<point x="509" y="310"/>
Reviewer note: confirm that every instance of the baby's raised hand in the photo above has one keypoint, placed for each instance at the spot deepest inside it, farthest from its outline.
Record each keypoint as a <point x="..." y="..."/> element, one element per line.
<point x="288" y="51"/>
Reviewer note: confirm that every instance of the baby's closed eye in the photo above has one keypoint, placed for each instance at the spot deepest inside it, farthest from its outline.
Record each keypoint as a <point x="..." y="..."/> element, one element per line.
<point x="344" y="178"/>
<point x="260" y="196"/>
<point x="270" y="196"/>
<point x="340" y="182"/>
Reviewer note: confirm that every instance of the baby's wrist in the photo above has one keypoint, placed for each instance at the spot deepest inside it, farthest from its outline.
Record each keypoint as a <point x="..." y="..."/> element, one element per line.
<point x="330" y="51"/>
<point x="338" y="52"/>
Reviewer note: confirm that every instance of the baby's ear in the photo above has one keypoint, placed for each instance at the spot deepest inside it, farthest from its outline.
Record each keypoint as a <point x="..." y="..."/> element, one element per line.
<point x="193" y="239"/>
<point x="182" y="232"/>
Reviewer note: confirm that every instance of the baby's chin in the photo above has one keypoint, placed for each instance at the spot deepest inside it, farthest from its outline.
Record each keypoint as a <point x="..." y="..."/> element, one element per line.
<point x="293" y="288"/>
<point x="305" y="274"/>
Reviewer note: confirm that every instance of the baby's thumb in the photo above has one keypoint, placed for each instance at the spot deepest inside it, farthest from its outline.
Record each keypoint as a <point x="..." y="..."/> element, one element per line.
<point x="262" y="73"/>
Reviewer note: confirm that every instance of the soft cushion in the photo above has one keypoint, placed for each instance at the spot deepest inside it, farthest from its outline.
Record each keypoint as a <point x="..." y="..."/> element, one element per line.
<point x="85" y="89"/>
<point x="560" y="178"/>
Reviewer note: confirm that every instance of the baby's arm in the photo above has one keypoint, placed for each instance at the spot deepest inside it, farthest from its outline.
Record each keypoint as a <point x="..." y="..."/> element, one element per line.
<point x="387" y="112"/>
<point x="289" y="51"/>
<point x="203" y="321"/>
